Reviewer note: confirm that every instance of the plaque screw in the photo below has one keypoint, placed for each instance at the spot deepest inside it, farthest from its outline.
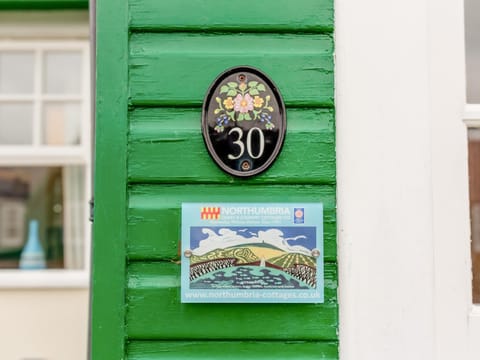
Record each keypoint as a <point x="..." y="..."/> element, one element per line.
<point x="245" y="166"/>
<point x="315" y="253"/>
<point x="188" y="253"/>
<point x="241" y="77"/>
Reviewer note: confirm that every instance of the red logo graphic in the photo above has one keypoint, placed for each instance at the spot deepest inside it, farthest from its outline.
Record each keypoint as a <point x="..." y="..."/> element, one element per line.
<point x="299" y="215"/>
<point x="210" y="213"/>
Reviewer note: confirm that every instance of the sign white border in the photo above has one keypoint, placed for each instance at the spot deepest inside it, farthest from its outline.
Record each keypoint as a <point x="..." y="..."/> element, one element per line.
<point x="225" y="222"/>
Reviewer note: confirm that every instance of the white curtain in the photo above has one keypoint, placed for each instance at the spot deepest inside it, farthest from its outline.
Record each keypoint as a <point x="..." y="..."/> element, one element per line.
<point x="74" y="217"/>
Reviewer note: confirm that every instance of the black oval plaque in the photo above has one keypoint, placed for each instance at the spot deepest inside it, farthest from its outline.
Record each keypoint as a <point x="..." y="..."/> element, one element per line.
<point x="243" y="121"/>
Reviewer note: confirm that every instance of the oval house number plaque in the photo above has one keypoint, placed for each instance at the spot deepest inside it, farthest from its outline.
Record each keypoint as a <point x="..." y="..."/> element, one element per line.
<point x="243" y="121"/>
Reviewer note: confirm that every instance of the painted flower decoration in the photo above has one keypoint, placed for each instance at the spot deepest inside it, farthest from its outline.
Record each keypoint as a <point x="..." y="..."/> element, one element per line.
<point x="243" y="103"/>
<point x="228" y="103"/>
<point x="257" y="101"/>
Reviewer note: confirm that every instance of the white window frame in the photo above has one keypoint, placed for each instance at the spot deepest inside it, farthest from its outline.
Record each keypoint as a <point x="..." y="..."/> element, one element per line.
<point x="39" y="31"/>
<point x="471" y="118"/>
<point x="38" y="154"/>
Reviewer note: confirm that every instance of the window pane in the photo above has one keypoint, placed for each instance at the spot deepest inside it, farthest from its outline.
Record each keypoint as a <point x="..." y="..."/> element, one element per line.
<point x="16" y="72"/>
<point x="63" y="72"/>
<point x="16" y="123"/>
<point x="472" y="42"/>
<point x="474" y="170"/>
<point x="61" y="123"/>
<point x="54" y="197"/>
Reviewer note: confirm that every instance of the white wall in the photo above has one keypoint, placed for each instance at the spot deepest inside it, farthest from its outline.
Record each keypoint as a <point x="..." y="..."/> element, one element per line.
<point x="402" y="180"/>
<point x="43" y="324"/>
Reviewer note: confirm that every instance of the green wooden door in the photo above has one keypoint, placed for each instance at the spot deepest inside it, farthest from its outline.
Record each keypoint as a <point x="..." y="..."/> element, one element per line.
<point x="155" y="61"/>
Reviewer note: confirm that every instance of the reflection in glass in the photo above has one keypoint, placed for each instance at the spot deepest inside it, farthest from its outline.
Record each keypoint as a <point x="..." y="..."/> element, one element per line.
<point x="16" y="72"/>
<point x="63" y="72"/>
<point x="474" y="171"/>
<point x="54" y="197"/>
<point x="16" y="123"/>
<point x="472" y="43"/>
<point x="61" y="123"/>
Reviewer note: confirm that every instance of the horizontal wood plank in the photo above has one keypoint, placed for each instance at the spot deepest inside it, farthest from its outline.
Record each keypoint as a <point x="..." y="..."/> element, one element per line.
<point x="166" y="145"/>
<point x="177" y="69"/>
<point x="220" y="15"/>
<point x="154" y="212"/>
<point x="155" y="311"/>
<point x="231" y="350"/>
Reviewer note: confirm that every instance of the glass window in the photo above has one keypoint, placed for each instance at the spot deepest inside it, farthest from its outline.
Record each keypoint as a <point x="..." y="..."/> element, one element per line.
<point x="16" y="72"/>
<point x="36" y="114"/>
<point x="16" y="123"/>
<point x="61" y="123"/>
<point x="44" y="154"/>
<point x="474" y="168"/>
<point x="63" y="72"/>
<point x="54" y="198"/>
<point x="472" y="42"/>
<point x="472" y="46"/>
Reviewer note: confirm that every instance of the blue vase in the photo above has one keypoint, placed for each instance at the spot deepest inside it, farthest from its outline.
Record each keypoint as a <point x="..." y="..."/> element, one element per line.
<point x="32" y="256"/>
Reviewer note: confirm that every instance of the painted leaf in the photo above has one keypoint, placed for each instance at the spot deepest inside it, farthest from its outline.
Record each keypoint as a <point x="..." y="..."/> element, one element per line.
<point x="232" y="84"/>
<point x="247" y="116"/>
<point x="253" y="83"/>
<point x="224" y="89"/>
<point x="261" y="87"/>
<point x="231" y="93"/>
<point x="254" y="92"/>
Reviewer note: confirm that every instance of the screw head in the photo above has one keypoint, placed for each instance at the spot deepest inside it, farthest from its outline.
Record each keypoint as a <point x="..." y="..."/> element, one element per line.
<point x="246" y="166"/>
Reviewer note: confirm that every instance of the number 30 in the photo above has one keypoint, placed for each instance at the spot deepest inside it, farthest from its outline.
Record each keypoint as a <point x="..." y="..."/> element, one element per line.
<point x="241" y="145"/>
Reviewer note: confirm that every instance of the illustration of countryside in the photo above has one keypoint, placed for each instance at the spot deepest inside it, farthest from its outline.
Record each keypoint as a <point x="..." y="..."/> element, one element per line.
<point x="253" y="258"/>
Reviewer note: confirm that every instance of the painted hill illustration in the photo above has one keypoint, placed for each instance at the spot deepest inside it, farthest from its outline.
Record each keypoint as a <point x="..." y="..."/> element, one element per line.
<point x="227" y="259"/>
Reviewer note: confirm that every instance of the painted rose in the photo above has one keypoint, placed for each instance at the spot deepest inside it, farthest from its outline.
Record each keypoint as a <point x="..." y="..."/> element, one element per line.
<point x="257" y="101"/>
<point x="228" y="103"/>
<point x="243" y="103"/>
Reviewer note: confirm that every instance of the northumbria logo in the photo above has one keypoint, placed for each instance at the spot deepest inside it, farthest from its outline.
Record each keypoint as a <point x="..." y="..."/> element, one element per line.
<point x="210" y="213"/>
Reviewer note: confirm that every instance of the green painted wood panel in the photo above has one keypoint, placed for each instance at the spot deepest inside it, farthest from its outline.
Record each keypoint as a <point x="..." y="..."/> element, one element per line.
<point x="160" y="137"/>
<point x="154" y="212"/>
<point x="107" y="326"/>
<point x="43" y="4"/>
<point x="177" y="69"/>
<point x="250" y="15"/>
<point x="232" y="350"/>
<point x="155" y="311"/>
<point x="156" y="62"/>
